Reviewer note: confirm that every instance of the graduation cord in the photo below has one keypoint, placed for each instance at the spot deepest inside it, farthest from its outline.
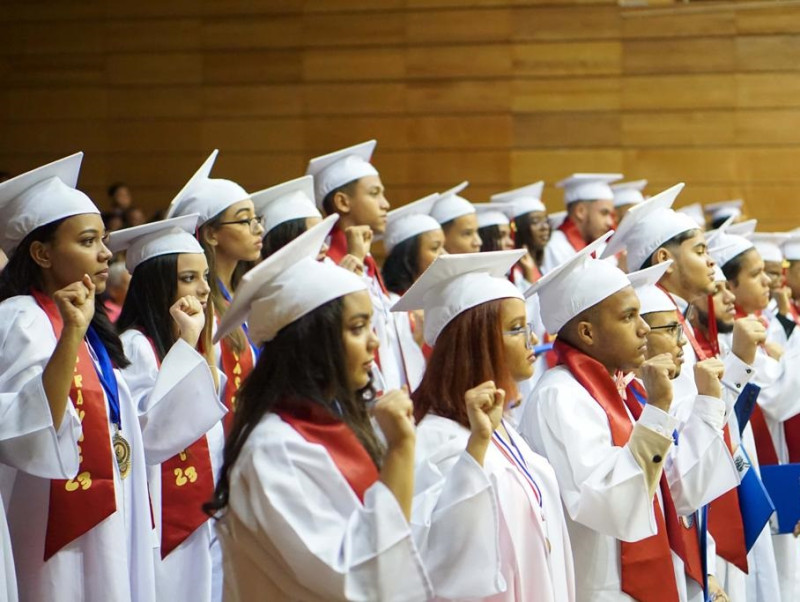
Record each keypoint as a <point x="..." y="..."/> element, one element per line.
<point x="106" y="375"/>
<point x="518" y="460"/>
<point x="229" y="299"/>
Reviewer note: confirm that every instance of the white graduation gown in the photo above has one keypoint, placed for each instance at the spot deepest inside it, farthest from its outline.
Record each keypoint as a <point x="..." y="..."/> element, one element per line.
<point x="605" y="489"/>
<point x="557" y="251"/>
<point x="295" y="530"/>
<point x="411" y="355"/>
<point x="29" y="442"/>
<point x="185" y="574"/>
<point x="529" y="571"/>
<point x="113" y="560"/>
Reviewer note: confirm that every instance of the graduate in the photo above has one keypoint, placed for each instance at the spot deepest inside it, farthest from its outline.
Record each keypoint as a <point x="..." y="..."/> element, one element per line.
<point x="459" y="221"/>
<point x="530" y="228"/>
<point x="289" y="210"/>
<point x="607" y="449"/>
<point x="230" y="233"/>
<point x="774" y="422"/>
<point x="348" y="185"/>
<point x="312" y="505"/>
<point x="723" y="211"/>
<point x="494" y="226"/>
<point x="413" y="240"/>
<point x="696" y="482"/>
<point x="590" y="214"/>
<point x="90" y="537"/>
<point x="778" y="312"/>
<point x="39" y="426"/>
<point x="482" y="347"/>
<point x="791" y="276"/>
<point x="162" y="323"/>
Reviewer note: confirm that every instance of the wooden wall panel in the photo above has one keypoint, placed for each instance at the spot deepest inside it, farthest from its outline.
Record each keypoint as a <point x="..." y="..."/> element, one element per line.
<point x="498" y="92"/>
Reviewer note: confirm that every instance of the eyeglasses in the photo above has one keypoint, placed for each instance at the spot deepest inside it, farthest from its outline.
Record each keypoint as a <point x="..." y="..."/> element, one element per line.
<point x="257" y="224"/>
<point x="674" y="329"/>
<point x="526" y="331"/>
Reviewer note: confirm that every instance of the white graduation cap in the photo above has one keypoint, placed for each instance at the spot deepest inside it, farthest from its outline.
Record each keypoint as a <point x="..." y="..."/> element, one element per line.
<point x="695" y="211"/>
<point x="791" y="248"/>
<point x="286" y="286"/>
<point x="165" y="237"/>
<point x="409" y="220"/>
<point x="450" y="206"/>
<point x="746" y="228"/>
<point x="40" y="197"/>
<point x="724" y="246"/>
<point x="576" y="285"/>
<point x="494" y="214"/>
<point x="649" y="225"/>
<point x="287" y="201"/>
<point x="455" y="283"/>
<point x="628" y="193"/>
<point x="652" y="298"/>
<point x="341" y="167"/>
<point x="769" y="245"/>
<point x="204" y="196"/>
<point x="724" y="209"/>
<point x="525" y="200"/>
<point x="556" y="219"/>
<point x="588" y="186"/>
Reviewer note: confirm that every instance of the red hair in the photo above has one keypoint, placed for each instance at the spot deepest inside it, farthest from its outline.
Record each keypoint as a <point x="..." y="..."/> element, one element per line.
<point x="468" y="352"/>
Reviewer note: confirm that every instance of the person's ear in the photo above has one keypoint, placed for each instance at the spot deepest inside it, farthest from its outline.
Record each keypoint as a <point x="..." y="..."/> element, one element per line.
<point x="585" y="333"/>
<point x="661" y="255"/>
<point x="209" y="235"/>
<point x="41" y="254"/>
<point x="342" y="203"/>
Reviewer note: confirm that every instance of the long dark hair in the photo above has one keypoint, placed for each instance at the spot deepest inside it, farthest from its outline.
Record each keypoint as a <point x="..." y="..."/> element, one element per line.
<point x="468" y="352"/>
<point x="22" y="274"/>
<point x="523" y="237"/>
<point x="490" y="238"/>
<point x="401" y="267"/>
<point x="305" y="361"/>
<point x="281" y="235"/>
<point x="236" y="339"/>
<point x="151" y="293"/>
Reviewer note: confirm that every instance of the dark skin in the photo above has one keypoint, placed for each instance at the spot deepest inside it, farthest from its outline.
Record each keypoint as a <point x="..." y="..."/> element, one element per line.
<point x="691" y="274"/>
<point x="613" y="333"/>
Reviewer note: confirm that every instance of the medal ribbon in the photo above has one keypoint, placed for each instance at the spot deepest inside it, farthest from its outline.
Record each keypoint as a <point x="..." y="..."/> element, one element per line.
<point x="77" y="505"/>
<point x="518" y="460"/>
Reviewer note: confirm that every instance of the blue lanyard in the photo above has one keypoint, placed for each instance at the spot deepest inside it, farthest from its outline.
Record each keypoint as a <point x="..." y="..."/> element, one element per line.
<point x="643" y="401"/>
<point x="229" y="299"/>
<point x="106" y="375"/>
<point x="519" y="460"/>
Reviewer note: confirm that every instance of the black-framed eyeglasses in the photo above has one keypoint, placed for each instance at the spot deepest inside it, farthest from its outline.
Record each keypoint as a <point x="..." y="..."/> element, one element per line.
<point x="526" y="331"/>
<point x="256" y="223"/>
<point x="674" y="329"/>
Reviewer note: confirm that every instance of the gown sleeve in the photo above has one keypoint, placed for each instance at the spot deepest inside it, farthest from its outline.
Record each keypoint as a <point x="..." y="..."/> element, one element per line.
<point x="178" y="403"/>
<point x="452" y="490"/>
<point x="28" y="439"/>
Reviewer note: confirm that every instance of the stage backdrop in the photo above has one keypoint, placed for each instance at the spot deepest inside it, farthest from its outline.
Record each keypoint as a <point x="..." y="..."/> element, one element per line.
<point x="502" y="93"/>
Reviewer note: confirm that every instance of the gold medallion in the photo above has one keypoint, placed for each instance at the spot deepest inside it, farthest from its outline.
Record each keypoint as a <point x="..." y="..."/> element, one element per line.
<point x="122" y="452"/>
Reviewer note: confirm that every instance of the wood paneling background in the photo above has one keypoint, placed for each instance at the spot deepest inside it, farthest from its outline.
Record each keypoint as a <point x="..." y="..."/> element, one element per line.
<point x="500" y="92"/>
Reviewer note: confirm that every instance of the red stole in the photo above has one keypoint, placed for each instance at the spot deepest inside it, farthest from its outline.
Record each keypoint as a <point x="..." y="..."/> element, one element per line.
<point x="187" y="481"/>
<point x="236" y="367"/>
<point x="570" y="230"/>
<point x="642" y="560"/>
<point x="317" y="425"/>
<point x="338" y="249"/>
<point x="77" y="505"/>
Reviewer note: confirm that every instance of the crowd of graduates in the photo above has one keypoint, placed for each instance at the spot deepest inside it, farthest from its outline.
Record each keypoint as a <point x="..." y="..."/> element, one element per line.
<point x="599" y="404"/>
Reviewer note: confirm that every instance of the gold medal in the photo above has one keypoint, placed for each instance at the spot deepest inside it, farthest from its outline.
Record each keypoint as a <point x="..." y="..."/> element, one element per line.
<point x="122" y="452"/>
